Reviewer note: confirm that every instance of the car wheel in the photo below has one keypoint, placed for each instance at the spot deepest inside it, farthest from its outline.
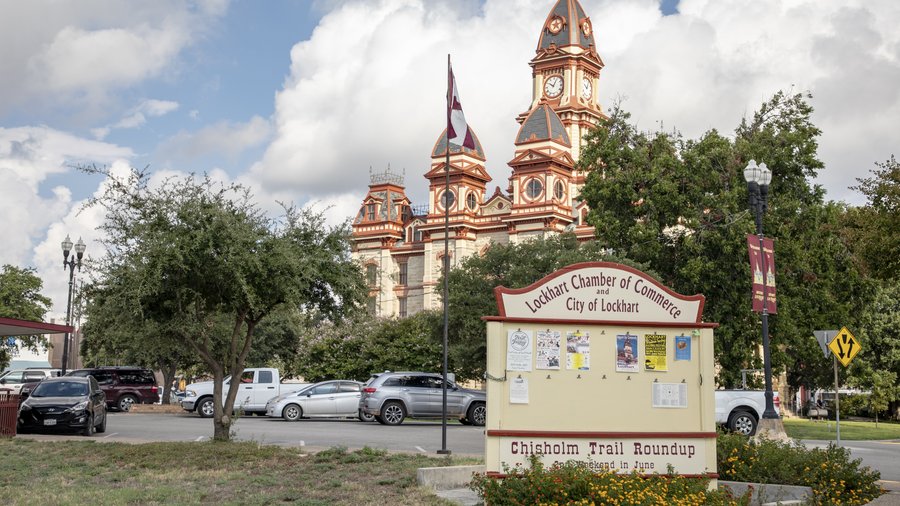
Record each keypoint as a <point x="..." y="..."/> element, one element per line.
<point x="477" y="414"/>
<point x="101" y="427"/>
<point x="292" y="412"/>
<point x="88" y="430"/>
<point x="742" y="422"/>
<point x="365" y="417"/>
<point x="393" y="413"/>
<point x="205" y="407"/>
<point x="125" y="402"/>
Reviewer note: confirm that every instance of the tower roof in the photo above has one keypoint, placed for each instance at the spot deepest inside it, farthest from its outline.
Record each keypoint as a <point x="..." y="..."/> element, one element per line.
<point x="542" y="124"/>
<point x="566" y="25"/>
<point x="440" y="147"/>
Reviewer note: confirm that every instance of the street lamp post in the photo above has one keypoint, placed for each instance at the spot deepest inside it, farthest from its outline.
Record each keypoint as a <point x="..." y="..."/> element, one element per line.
<point x="758" y="178"/>
<point x="70" y="263"/>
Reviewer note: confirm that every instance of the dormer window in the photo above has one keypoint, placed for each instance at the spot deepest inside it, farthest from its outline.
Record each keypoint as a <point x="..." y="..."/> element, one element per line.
<point x="370" y="212"/>
<point x="413" y="234"/>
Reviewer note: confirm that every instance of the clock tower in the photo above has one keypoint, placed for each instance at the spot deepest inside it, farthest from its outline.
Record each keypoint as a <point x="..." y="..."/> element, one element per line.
<point x="566" y="71"/>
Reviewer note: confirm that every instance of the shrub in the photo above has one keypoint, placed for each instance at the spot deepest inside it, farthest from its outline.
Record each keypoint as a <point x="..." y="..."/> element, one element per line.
<point x="834" y="477"/>
<point x="574" y="483"/>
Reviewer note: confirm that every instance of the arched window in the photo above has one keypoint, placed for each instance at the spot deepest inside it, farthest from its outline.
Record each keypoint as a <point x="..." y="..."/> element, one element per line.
<point x="533" y="188"/>
<point x="559" y="190"/>
<point x="447" y="199"/>
<point x="371" y="274"/>
<point x="471" y="201"/>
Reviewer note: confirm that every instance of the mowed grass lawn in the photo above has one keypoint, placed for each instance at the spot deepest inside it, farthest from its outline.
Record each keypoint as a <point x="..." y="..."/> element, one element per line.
<point x="801" y="428"/>
<point x="86" y="472"/>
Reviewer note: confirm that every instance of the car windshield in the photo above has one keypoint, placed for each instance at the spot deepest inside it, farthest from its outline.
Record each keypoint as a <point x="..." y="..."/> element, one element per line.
<point x="60" y="389"/>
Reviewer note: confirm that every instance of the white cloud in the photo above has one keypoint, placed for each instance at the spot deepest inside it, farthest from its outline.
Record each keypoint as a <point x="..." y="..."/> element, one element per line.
<point x="367" y="89"/>
<point x="78" y="54"/>
<point x="137" y="117"/>
<point x="222" y="138"/>
<point x="36" y="223"/>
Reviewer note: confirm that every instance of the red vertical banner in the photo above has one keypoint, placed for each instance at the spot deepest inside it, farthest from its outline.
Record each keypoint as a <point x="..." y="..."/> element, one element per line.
<point x="769" y="274"/>
<point x="762" y="267"/>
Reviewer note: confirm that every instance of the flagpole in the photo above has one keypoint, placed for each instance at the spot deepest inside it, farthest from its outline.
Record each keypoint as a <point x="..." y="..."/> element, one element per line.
<point x="446" y="203"/>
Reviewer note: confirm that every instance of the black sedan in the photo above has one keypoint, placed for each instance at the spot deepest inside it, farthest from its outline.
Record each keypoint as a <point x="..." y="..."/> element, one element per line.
<point x="64" y="403"/>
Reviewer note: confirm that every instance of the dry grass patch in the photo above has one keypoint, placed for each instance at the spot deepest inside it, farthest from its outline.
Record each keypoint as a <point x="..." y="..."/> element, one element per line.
<point x="80" y="472"/>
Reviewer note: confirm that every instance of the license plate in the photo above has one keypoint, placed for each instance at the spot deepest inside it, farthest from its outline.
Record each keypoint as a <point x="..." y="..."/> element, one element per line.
<point x="50" y="421"/>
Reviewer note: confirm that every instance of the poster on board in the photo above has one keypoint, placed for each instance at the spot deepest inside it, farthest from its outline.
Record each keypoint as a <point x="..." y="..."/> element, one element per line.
<point x="518" y="391"/>
<point x="682" y="347"/>
<point x="626" y="353"/>
<point x="518" y="350"/>
<point x="547" y="349"/>
<point x="578" y="351"/>
<point x="655" y="350"/>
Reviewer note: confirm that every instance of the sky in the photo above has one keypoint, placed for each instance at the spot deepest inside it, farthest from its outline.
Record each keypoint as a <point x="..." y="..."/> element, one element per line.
<point x="301" y="99"/>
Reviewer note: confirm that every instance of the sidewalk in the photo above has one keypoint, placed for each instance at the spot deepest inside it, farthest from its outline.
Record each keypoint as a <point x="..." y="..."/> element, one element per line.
<point x="891" y="498"/>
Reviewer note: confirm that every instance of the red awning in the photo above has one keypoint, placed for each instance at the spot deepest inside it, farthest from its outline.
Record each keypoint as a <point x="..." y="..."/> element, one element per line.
<point x="13" y="327"/>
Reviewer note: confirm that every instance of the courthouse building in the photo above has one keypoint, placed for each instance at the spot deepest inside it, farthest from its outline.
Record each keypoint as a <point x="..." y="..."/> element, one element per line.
<point x="401" y="245"/>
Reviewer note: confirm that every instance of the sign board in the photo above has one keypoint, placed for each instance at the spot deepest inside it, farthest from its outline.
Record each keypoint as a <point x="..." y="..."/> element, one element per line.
<point x="599" y="292"/>
<point x="844" y="346"/>
<point x="600" y="363"/>
<point x="824" y="337"/>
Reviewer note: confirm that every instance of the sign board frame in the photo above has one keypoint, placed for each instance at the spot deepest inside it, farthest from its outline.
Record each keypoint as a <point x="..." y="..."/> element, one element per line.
<point x="596" y="414"/>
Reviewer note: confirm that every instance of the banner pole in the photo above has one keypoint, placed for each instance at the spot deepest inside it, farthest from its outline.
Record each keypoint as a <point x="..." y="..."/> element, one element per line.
<point x="837" y="403"/>
<point x="446" y="203"/>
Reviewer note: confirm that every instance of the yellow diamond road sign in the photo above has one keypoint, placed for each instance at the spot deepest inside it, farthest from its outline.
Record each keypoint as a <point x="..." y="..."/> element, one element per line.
<point x="844" y="346"/>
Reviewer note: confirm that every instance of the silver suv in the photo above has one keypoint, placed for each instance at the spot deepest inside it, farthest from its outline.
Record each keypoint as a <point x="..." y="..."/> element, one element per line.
<point x="392" y="396"/>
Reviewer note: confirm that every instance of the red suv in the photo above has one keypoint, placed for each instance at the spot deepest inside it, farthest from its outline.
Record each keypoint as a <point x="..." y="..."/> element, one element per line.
<point x="124" y="386"/>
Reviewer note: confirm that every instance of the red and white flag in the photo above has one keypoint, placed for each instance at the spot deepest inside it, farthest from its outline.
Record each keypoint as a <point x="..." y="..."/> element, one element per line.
<point x="457" y="129"/>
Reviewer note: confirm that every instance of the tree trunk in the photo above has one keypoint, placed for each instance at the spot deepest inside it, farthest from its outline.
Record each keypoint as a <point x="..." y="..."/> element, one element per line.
<point x="221" y="420"/>
<point x="168" y="372"/>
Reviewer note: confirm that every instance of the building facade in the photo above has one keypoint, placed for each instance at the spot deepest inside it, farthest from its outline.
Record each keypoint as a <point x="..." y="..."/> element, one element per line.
<point x="401" y="245"/>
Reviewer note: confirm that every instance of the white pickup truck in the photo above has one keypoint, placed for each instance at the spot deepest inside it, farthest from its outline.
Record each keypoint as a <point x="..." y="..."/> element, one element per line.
<point x="258" y="385"/>
<point x="740" y="410"/>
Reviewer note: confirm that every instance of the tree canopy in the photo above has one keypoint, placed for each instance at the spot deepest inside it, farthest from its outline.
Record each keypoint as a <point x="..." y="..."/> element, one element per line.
<point x="680" y="206"/>
<point x="21" y="298"/>
<point x="206" y="266"/>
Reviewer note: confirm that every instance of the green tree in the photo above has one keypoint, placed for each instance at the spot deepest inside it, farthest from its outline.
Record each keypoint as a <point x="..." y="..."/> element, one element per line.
<point x="358" y="347"/>
<point x="879" y="336"/>
<point x="518" y="265"/>
<point x="680" y="206"/>
<point x="874" y="229"/>
<point x="21" y="298"/>
<point x="116" y="333"/>
<point x="203" y="262"/>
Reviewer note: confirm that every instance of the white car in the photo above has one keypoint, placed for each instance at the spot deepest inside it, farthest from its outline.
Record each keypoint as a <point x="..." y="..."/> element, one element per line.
<point x="327" y="399"/>
<point x="16" y="379"/>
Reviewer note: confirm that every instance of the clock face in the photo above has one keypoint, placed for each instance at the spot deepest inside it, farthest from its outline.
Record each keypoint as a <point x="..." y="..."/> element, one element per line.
<point x="586" y="28"/>
<point x="553" y="86"/>
<point x="555" y="25"/>
<point x="586" y="88"/>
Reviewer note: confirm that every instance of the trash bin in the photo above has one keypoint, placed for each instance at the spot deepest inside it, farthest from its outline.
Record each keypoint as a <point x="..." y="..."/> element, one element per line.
<point x="9" y="411"/>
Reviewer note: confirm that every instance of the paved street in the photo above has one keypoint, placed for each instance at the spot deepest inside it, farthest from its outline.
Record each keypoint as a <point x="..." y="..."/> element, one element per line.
<point x="423" y="437"/>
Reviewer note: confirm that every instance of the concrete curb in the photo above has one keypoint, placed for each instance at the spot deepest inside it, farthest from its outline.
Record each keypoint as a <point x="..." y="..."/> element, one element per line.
<point x="445" y="478"/>
<point x="764" y="493"/>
